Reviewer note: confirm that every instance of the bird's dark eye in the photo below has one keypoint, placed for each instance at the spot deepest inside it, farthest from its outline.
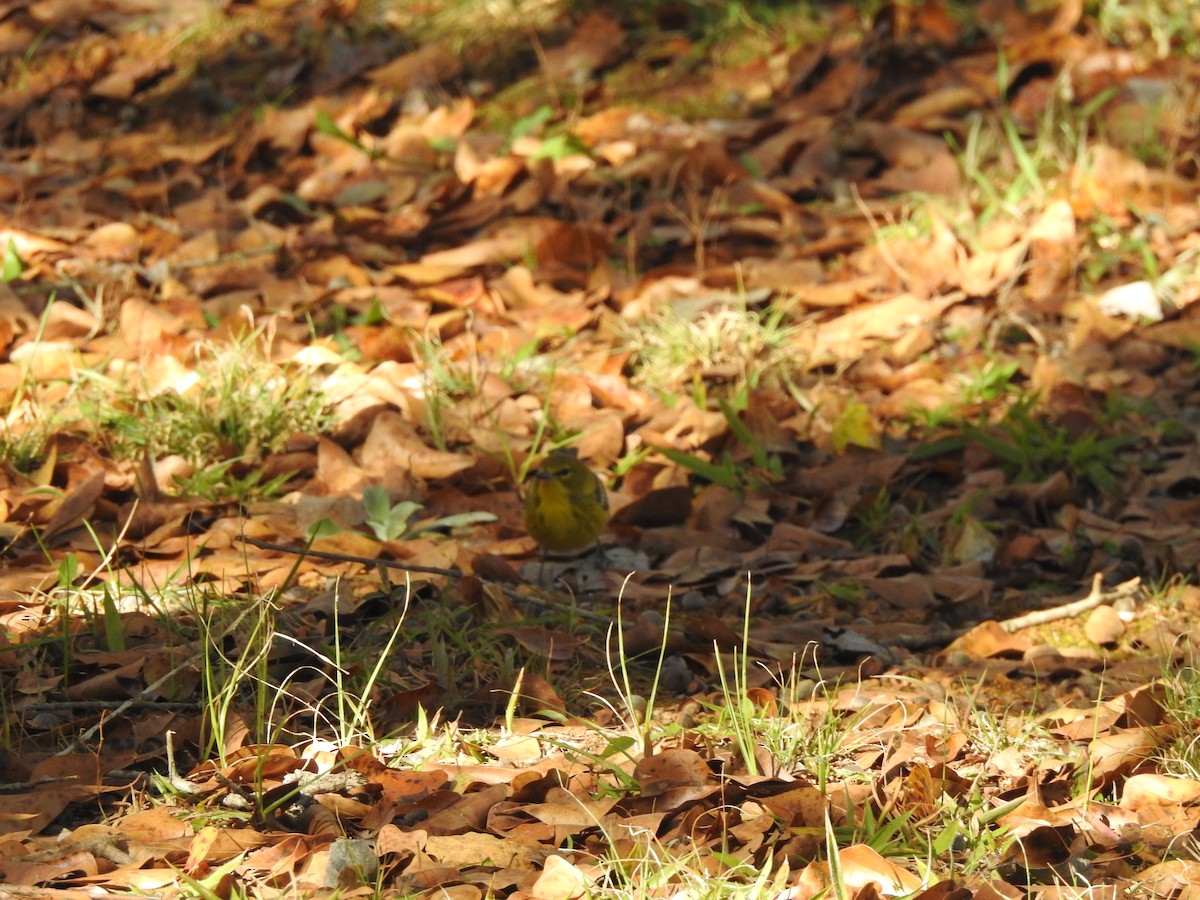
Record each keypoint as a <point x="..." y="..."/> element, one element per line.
<point x="562" y="472"/>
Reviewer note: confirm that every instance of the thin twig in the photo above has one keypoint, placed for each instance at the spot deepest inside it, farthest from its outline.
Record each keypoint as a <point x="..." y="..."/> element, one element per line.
<point x="1096" y="597"/>
<point x="508" y="592"/>
<point x="24" y="787"/>
<point x="102" y="705"/>
<point x="82" y="740"/>
<point x="350" y="557"/>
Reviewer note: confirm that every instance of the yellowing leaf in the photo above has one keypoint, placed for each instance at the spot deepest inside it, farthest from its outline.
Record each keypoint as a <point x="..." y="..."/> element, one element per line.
<point x="855" y="426"/>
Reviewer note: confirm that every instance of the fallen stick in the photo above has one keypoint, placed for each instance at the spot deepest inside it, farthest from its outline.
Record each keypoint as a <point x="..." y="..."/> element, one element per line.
<point x="1095" y="597"/>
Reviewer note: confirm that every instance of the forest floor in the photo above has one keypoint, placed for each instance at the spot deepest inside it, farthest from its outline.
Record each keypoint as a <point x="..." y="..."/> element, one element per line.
<point x="878" y="326"/>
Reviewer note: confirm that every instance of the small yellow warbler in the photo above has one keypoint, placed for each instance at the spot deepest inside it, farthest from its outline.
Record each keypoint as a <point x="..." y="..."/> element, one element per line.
<point x="565" y="504"/>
